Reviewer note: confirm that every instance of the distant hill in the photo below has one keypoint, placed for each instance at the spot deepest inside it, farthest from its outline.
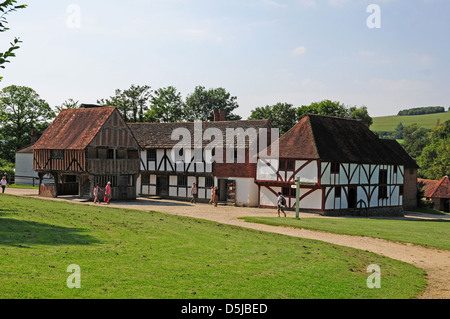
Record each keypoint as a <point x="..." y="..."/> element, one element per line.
<point x="389" y="123"/>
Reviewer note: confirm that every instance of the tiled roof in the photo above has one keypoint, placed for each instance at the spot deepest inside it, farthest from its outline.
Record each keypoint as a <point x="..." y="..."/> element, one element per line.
<point x="159" y="135"/>
<point x="74" y="129"/>
<point x="340" y="140"/>
<point x="436" y="189"/>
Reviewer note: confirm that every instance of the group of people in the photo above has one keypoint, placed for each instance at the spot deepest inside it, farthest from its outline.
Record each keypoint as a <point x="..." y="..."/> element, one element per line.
<point x="214" y="194"/>
<point x="97" y="191"/>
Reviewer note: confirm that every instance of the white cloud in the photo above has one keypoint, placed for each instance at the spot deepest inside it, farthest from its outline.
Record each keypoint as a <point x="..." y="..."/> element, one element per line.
<point x="299" y="51"/>
<point x="275" y="4"/>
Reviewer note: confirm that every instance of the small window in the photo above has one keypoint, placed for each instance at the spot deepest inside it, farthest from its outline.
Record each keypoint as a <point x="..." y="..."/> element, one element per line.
<point x="401" y="190"/>
<point x="338" y="192"/>
<point x="151" y="155"/>
<point x="145" y="179"/>
<point x="182" y="181"/>
<point x="209" y="181"/>
<point x="290" y="165"/>
<point x="57" y="154"/>
<point x="110" y="154"/>
<point x="335" y="168"/>
<point x="122" y="154"/>
<point x="286" y="191"/>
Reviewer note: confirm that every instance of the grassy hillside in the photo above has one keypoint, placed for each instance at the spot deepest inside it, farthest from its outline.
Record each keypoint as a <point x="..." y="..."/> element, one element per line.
<point x="389" y="123"/>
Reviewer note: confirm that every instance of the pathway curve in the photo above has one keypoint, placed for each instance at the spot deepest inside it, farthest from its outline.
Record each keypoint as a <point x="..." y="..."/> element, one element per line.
<point x="433" y="261"/>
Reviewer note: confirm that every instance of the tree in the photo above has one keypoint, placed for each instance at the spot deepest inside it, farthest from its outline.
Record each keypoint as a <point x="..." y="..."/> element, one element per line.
<point x="201" y="103"/>
<point x="67" y="104"/>
<point x="131" y="103"/>
<point x="325" y="107"/>
<point x="280" y="115"/>
<point x="166" y="105"/>
<point x="21" y="111"/>
<point x="6" y="7"/>
<point x="362" y="114"/>
<point x="415" y="139"/>
<point x="434" y="160"/>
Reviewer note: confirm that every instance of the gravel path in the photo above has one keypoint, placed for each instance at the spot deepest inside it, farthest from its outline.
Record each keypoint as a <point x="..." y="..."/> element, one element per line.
<point x="433" y="261"/>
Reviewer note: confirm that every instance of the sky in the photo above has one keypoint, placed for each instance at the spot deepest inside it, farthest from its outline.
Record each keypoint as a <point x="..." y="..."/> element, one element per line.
<point x="388" y="57"/>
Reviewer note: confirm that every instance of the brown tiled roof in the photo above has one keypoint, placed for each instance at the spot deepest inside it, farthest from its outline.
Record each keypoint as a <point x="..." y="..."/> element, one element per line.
<point x="340" y="140"/>
<point x="436" y="189"/>
<point x="158" y="135"/>
<point x="74" y="129"/>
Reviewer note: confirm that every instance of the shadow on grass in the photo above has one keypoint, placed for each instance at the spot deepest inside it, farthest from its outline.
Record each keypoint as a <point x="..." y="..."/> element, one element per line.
<point x="20" y="233"/>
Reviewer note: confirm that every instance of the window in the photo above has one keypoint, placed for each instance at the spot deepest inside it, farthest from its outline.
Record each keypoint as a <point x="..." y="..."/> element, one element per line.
<point x="209" y="182"/>
<point x="382" y="180"/>
<point x="133" y="154"/>
<point x="145" y="179"/>
<point x="182" y="181"/>
<point x="110" y="154"/>
<point x="286" y="191"/>
<point x="338" y="192"/>
<point x="395" y="169"/>
<point x="122" y="154"/>
<point x="401" y="190"/>
<point x="334" y="168"/>
<point x="151" y="155"/>
<point x="287" y="165"/>
<point x="57" y="154"/>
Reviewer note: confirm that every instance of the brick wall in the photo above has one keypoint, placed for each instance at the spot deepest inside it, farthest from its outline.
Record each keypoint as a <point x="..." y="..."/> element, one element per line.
<point x="410" y="189"/>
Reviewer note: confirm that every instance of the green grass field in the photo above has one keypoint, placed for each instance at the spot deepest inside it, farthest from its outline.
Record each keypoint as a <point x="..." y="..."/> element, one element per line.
<point x="389" y="123"/>
<point x="136" y="254"/>
<point x="421" y="232"/>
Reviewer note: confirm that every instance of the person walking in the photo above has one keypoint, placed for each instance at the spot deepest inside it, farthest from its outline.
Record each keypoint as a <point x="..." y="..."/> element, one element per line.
<point x="3" y="182"/>
<point x="108" y="193"/>
<point x="194" y="193"/>
<point x="216" y="196"/>
<point x="281" y="203"/>
<point x="213" y="194"/>
<point x="97" y="191"/>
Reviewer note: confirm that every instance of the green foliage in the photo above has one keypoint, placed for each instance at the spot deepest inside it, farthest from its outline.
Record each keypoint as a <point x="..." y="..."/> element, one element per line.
<point x="422" y="110"/>
<point x="7" y="7"/>
<point x="6" y="168"/>
<point x="200" y="104"/>
<point x="166" y="105"/>
<point x="415" y="139"/>
<point x="281" y="115"/>
<point x="21" y="111"/>
<point x="131" y="103"/>
<point x="67" y="104"/>
<point x="435" y="157"/>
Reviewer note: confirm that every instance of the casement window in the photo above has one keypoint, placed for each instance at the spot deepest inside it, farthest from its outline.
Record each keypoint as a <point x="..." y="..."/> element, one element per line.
<point x="151" y="155"/>
<point x="287" y="165"/>
<point x="182" y="181"/>
<point x="334" y="168"/>
<point x="382" y="180"/>
<point x="338" y="192"/>
<point x="57" y="154"/>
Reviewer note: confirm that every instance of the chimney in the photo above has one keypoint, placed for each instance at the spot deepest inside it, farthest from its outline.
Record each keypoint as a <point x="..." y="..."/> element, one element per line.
<point x="222" y="115"/>
<point x="33" y="137"/>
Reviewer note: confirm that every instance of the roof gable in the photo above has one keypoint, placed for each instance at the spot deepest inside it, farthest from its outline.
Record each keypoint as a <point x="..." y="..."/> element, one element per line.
<point x="436" y="189"/>
<point x="74" y="129"/>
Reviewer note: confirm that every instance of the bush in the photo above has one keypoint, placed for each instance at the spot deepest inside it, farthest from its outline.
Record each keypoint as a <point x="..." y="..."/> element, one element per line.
<point x="423" y="110"/>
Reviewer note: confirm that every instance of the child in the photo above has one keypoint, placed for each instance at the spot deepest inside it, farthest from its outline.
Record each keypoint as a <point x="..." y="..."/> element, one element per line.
<point x="97" y="190"/>
<point x="281" y="203"/>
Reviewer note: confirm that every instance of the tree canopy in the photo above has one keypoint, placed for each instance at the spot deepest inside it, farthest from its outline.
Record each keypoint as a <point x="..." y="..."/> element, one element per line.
<point x="21" y="111"/>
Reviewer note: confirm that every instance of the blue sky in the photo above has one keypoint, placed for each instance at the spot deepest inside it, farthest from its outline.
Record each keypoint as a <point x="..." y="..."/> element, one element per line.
<point x="262" y="51"/>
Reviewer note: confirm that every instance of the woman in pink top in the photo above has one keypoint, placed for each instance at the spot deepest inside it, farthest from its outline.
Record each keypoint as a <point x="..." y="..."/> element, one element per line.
<point x="108" y="193"/>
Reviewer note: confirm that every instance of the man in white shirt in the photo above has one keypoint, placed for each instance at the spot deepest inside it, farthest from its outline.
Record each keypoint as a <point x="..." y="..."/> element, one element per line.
<point x="281" y="202"/>
<point x="3" y="182"/>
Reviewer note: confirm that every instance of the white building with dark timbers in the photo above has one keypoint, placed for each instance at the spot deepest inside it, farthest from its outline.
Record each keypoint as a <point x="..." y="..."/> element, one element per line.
<point x="343" y="167"/>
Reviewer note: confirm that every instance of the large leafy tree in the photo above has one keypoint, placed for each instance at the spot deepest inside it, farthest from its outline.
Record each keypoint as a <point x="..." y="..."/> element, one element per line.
<point x="166" y="105"/>
<point x="7" y="7"/>
<point x="131" y="103"/>
<point x="280" y="115"/>
<point x="21" y="111"/>
<point x="434" y="160"/>
<point x="201" y="103"/>
<point x="415" y="139"/>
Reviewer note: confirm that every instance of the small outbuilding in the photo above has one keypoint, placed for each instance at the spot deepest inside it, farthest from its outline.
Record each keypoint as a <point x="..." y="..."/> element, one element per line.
<point x="438" y="192"/>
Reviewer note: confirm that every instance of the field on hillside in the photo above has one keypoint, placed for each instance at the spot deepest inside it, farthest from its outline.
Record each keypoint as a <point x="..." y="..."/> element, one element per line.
<point x="389" y="123"/>
<point x="136" y="254"/>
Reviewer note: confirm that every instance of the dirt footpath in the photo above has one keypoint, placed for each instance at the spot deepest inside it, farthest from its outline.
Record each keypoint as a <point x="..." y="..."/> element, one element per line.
<point x="433" y="261"/>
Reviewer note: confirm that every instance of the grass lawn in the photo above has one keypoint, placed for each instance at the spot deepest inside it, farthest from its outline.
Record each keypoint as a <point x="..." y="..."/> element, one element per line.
<point x="137" y="254"/>
<point x="420" y="232"/>
<point x="389" y="123"/>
